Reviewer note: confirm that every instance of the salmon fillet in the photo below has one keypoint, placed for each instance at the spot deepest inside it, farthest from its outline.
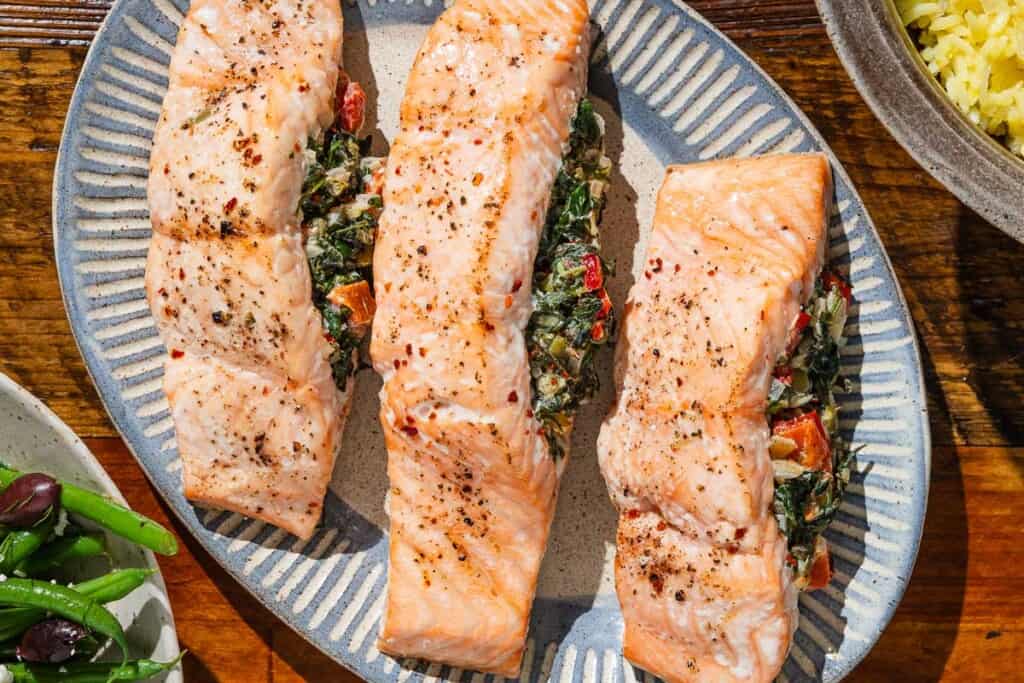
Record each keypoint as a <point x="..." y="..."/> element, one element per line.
<point x="700" y="571"/>
<point x="256" y="410"/>
<point x="485" y="117"/>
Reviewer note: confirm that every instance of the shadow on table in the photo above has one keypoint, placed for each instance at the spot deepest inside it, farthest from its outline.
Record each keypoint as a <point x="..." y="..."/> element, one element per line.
<point x="990" y="274"/>
<point x="304" y="660"/>
<point x="908" y="650"/>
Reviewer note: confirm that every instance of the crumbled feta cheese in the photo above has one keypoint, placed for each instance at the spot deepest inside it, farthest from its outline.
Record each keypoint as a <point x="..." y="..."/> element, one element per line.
<point x="339" y="178"/>
<point x="62" y="522"/>
<point x="358" y="206"/>
<point x="309" y="156"/>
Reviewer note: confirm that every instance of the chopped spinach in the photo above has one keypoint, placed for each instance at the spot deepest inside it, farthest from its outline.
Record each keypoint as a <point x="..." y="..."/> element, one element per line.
<point x="572" y="315"/>
<point x="806" y="380"/>
<point x="805" y="505"/>
<point x="340" y="221"/>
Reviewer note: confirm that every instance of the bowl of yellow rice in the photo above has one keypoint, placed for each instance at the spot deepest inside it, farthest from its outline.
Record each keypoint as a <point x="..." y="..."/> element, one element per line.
<point x="946" y="77"/>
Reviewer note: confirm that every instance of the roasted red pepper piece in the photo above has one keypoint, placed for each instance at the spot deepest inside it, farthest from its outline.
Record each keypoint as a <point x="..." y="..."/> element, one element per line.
<point x="350" y="105"/>
<point x="593" y="278"/>
<point x="821" y="571"/>
<point x="796" y="334"/>
<point x="813" y="449"/>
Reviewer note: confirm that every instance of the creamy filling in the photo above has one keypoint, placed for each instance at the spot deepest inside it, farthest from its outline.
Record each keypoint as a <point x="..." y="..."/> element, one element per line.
<point x="339" y="209"/>
<point x="811" y="460"/>
<point x="572" y="314"/>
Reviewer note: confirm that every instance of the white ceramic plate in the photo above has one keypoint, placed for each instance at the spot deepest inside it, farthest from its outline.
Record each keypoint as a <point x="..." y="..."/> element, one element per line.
<point x="33" y="439"/>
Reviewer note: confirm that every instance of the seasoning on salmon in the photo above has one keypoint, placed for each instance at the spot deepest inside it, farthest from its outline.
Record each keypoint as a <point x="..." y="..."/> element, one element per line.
<point x="249" y="380"/>
<point x="486" y="116"/>
<point x="703" y="573"/>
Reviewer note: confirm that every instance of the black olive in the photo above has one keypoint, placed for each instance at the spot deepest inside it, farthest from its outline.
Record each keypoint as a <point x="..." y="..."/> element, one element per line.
<point x="51" y="641"/>
<point x="28" y="500"/>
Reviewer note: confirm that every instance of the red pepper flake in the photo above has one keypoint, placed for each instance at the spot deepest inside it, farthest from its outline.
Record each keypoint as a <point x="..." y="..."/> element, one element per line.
<point x="410" y="419"/>
<point x="658" y="265"/>
<point x="477" y="179"/>
<point x="662" y="525"/>
<point x="257" y="159"/>
<point x="740" y="533"/>
<point x="408" y="349"/>
<point x="488" y="326"/>
<point x="230" y="206"/>
<point x="831" y="280"/>
<point x="411" y="431"/>
<point x="711" y="273"/>
<point x="529" y="412"/>
<point x="647" y="274"/>
<point x="657" y="583"/>
<point x="175" y="353"/>
<point x="508" y="301"/>
<point x="632" y="514"/>
<point x="517" y="285"/>
<point x="677" y="268"/>
<point x="181" y="273"/>
<point x="423" y="352"/>
<point x="398" y="170"/>
<point x="513" y="397"/>
<point x="398" y="364"/>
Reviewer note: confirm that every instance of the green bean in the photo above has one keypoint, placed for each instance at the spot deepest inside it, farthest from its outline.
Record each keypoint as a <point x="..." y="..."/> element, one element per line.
<point x="56" y="553"/>
<point x="117" y="518"/>
<point x="104" y="589"/>
<point x="15" y="620"/>
<point x="19" y="545"/>
<point x="113" y="586"/>
<point x="64" y="602"/>
<point x="91" y="672"/>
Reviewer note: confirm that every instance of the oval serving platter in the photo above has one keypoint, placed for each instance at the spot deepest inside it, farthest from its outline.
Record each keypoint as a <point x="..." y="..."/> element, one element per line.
<point x="672" y="89"/>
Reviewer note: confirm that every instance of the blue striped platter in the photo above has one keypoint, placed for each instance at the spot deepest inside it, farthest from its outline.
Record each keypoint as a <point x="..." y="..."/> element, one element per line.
<point x="672" y="89"/>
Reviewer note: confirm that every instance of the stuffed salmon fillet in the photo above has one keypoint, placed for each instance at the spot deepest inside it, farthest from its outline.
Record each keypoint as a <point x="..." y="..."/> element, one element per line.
<point x="251" y="376"/>
<point x="703" y="573"/>
<point x="492" y="104"/>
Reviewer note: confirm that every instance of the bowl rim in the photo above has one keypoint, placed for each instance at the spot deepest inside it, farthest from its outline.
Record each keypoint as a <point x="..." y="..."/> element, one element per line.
<point x="884" y="64"/>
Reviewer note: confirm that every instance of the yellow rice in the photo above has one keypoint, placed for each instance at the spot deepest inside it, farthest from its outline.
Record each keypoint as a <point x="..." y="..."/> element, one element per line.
<point x="976" y="50"/>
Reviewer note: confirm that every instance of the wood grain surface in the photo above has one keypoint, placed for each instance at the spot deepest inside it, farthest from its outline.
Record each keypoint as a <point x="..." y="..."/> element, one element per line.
<point x="963" y="614"/>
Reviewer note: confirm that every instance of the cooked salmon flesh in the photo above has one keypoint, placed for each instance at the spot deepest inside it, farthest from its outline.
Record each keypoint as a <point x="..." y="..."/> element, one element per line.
<point x="700" y="570"/>
<point x="256" y="410"/>
<point x="486" y="114"/>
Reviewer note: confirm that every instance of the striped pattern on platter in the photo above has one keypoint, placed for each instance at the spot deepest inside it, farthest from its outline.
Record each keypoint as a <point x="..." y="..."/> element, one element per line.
<point x="672" y="90"/>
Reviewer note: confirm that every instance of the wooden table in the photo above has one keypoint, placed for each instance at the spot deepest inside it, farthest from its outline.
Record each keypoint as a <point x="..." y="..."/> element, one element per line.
<point x="963" y="615"/>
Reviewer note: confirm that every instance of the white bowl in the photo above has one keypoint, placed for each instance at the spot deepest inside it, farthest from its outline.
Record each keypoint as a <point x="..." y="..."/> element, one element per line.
<point x="34" y="439"/>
